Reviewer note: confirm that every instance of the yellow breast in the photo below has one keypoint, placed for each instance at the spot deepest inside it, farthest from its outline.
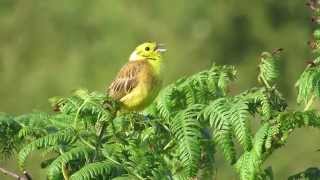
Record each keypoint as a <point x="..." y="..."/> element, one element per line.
<point x="145" y="92"/>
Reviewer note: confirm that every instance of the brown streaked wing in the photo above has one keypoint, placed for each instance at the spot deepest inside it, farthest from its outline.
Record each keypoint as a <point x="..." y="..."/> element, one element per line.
<point x="126" y="80"/>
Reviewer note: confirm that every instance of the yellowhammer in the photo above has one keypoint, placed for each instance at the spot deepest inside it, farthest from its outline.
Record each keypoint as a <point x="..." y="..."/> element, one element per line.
<point x="139" y="81"/>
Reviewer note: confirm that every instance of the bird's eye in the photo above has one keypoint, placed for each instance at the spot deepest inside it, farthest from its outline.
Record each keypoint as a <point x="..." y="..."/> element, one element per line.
<point x="147" y="48"/>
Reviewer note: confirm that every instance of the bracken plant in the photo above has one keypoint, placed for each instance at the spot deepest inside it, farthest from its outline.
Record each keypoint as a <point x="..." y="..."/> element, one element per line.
<point x="87" y="137"/>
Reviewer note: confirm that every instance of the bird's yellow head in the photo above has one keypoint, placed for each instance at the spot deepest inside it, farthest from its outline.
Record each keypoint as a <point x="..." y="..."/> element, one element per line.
<point x="148" y="51"/>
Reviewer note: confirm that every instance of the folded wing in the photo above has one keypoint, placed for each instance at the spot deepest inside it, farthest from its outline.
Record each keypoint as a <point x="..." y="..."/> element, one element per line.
<point x="126" y="80"/>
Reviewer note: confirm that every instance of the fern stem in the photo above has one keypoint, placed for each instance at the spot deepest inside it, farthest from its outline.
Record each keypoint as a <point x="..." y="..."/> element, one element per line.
<point x="114" y="161"/>
<point x="310" y="102"/>
<point x="65" y="172"/>
<point x="138" y="176"/>
<point x="168" y="145"/>
<point x="265" y="82"/>
<point x="86" y="143"/>
<point x="100" y="134"/>
<point x="75" y="122"/>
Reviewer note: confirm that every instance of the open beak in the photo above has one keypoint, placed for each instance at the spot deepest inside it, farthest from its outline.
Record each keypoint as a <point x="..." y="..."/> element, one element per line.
<point x="160" y="48"/>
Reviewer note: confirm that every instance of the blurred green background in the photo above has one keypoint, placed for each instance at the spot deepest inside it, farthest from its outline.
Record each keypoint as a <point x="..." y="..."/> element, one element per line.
<point x="49" y="48"/>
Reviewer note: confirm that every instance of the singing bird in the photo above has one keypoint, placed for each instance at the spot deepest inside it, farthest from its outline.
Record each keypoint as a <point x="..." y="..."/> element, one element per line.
<point x="139" y="81"/>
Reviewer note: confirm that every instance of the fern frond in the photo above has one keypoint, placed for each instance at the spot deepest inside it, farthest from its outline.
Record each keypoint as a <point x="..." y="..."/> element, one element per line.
<point x="269" y="68"/>
<point x="263" y="101"/>
<point x="228" y="116"/>
<point x="186" y="128"/>
<point x="260" y="139"/>
<point x="226" y="76"/>
<point x="95" y="171"/>
<point x="249" y="165"/>
<point x="9" y="139"/>
<point x="217" y="113"/>
<point x="84" y="105"/>
<point x="224" y="140"/>
<point x="164" y="104"/>
<point x="79" y="154"/>
<point x="288" y="121"/>
<point x="50" y="150"/>
<point x="60" y="121"/>
<point x="66" y="136"/>
<point x="266" y="106"/>
<point x="34" y="125"/>
<point x="35" y="119"/>
<point x="308" y="84"/>
<point x="273" y="131"/>
<point x="239" y="121"/>
<point x="207" y="166"/>
<point x="180" y="176"/>
<point x="190" y="94"/>
<point x="200" y="88"/>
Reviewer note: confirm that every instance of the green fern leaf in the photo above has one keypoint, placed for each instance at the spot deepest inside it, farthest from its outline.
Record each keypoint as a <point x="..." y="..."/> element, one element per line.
<point x="79" y="153"/>
<point x="67" y="136"/>
<point x="308" y="84"/>
<point x="229" y="116"/>
<point x="186" y="128"/>
<point x="269" y="68"/>
<point x="223" y="138"/>
<point x="260" y="139"/>
<point x="9" y="139"/>
<point x="98" y="170"/>
<point x="239" y="121"/>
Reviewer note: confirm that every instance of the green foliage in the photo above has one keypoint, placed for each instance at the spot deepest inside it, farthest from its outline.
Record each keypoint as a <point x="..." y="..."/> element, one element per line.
<point x="98" y="170"/>
<point x="9" y="140"/>
<point x="186" y="129"/>
<point x="77" y="155"/>
<point x="200" y="88"/>
<point x="269" y="67"/>
<point x="87" y="137"/>
<point x="308" y="84"/>
<point x="228" y="117"/>
<point x="61" y="138"/>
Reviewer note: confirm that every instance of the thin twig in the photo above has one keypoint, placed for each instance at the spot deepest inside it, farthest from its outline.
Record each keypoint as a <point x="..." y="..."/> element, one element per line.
<point x="25" y="176"/>
<point x="9" y="173"/>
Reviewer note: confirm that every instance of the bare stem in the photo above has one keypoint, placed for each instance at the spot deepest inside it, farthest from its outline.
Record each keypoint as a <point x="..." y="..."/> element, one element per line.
<point x="25" y="176"/>
<point x="9" y="173"/>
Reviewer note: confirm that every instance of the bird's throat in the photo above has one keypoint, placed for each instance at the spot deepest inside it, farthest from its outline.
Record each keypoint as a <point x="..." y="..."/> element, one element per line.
<point x="157" y="66"/>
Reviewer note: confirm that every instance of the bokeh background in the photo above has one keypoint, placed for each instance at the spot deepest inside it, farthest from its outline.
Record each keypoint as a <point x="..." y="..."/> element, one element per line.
<point x="49" y="48"/>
